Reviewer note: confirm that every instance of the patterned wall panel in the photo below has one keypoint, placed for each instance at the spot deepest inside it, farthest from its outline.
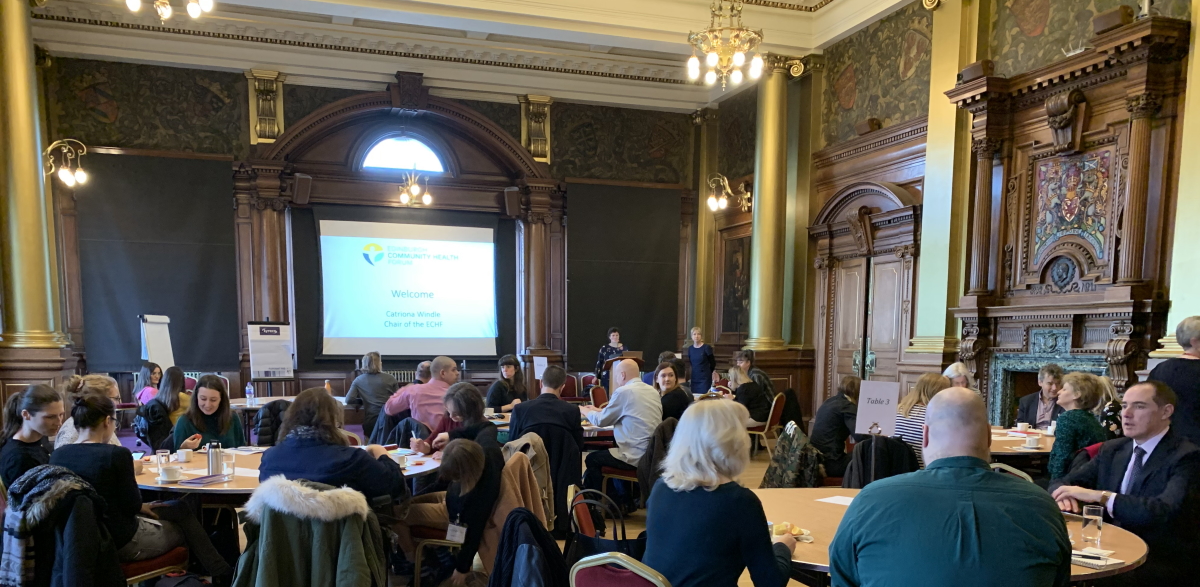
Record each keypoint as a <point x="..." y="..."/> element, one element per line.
<point x="507" y="115"/>
<point x="149" y="107"/>
<point x="1027" y="34"/>
<point x="300" y="101"/>
<point x="601" y="142"/>
<point x="864" y="82"/>
<point x="738" y="130"/>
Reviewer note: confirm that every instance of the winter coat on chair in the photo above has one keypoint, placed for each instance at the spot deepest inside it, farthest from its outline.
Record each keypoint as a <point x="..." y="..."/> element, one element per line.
<point x="649" y="469"/>
<point x="892" y="456"/>
<point x="528" y="555"/>
<point x="300" y="534"/>
<point x="795" y="462"/>
<point x="518" y="489"/>
<point x="531" y="446"/>
<point x="267" y="421"/>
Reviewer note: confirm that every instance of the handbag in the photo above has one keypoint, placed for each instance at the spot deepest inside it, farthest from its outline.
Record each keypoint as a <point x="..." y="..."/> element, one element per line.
<point x="578" y="546"/>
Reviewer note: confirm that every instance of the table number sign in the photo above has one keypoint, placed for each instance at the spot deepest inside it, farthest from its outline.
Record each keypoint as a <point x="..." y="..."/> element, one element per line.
<point x="877" y="407"/>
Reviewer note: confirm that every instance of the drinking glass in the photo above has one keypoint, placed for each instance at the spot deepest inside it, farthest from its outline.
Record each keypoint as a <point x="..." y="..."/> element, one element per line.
<point x="1093" y="523"/>
<point x="227" y="462"/>
<point x="162" y="457"/>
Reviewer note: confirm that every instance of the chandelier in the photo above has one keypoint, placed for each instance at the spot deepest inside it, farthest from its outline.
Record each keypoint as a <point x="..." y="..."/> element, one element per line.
<point x="725" y="45"/>
<point x="63" y="158"/>
<point x="163" y="7"/>
<point x="412" y="194"/>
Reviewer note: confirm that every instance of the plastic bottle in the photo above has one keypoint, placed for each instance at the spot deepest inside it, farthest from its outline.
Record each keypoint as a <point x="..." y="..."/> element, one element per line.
<point x="328" y="387"/>
<point x="249" y="393"/>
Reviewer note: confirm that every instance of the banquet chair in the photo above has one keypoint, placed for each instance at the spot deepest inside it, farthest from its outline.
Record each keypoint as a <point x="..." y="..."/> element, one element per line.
<point x="771" y="427"/>
<point x="615" y="569"/>
<point x="588" y="380"/>
<point x="425" y="536"/>
<point x="599" y="396"/>
<point x="571" y="390"/>
<point x="613" y="473"/>
<point x="1011" y="470"/>
<point x="174" y="561"/>
<point x="580" y="512"/>
<point x="722" y="389"/>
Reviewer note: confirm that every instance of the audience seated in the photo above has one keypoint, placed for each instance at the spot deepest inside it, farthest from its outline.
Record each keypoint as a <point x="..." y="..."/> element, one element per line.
<point x="956" y="522"/>
<point x="611" y="350"/>
<point x="311" y="446"/>
<point x="424" y="400"/>
<point x="1182" y="374"/>
<point x="834" y="423"/>
<point x="664" y="357"/>
<point x="139" y="530"/>
<point x="1149" y="484"/>
<point x="464" y="409"/>
<point x="702" y="527"/>
<point x="703" y="362"/>
<point x="634" y="411"/>
<point x="150" y="377"/>
<point x="1077" y="427"/>
<point x="1040" y="409"/>
<point x="1108" y="410"/>
<point x="910" y="414"/>
<point x="509" y="390"/>
<point x="174" y="395"/>
<point x="960" y="376"/>
<point x="78" y="386"/>
<point x="209" y="418"/>
<point x="675" y="398"/>
<point x="558" y="424"/>
<point x="749" y="393"/>
<point x="371" y="390"/>
<point x="744" y="360"/>
<point x="31" y="417"/>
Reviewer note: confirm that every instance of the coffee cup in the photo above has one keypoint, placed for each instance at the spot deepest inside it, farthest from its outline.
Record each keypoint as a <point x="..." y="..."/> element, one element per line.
<point x="183" y="455"/>
<point x="1022" y="426"/>
<point x="1033" y="442"/>
<point x="170" y="473"/>
<point x="489" y="411"/>
<point x="402" y="461"/>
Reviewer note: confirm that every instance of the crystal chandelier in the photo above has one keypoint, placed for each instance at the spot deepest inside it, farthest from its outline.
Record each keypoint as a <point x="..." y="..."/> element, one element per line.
<point x="163" y="7"/>
<point x="725" y="46"/>
<point x="412" y="194"/>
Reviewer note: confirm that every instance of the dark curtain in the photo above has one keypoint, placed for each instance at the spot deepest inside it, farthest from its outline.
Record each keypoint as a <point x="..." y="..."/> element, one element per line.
<point x="622" y="270"/>
<point x="156" y="237"/>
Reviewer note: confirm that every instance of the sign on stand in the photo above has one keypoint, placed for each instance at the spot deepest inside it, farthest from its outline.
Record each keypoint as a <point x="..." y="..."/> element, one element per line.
<point x="877" y="401"/>
<point x="271" y="357"/>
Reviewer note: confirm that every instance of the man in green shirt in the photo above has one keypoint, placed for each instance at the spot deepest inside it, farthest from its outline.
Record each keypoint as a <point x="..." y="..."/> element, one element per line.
<point x="955" y="523"/>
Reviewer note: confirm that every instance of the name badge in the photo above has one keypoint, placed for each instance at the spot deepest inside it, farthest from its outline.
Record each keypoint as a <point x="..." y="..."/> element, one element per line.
<point x="456" y="533"/>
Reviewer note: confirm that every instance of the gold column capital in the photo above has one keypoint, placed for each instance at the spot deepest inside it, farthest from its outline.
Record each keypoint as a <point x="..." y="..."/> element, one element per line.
<point x="932" y="345"/>
<point x="535" y="125"/>
<point x="266" y="105"/>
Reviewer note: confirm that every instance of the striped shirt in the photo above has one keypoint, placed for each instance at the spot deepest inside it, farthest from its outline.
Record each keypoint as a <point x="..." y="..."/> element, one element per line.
<point x="909" y="428"/>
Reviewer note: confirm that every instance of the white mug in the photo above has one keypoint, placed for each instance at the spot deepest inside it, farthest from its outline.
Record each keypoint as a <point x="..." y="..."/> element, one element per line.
<point x="1022" y="426"/>
<point x="1033" y="442"/>
<point x="489" y="411"/>
<point x="402" y="461"/>
<point x="183" y="455"/>
<point x="170" y="473"/>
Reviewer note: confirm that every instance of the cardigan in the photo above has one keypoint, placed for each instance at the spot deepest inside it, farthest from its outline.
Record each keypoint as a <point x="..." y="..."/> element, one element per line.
<point x="233" y="437"/>
<point x="1076" y="430"/>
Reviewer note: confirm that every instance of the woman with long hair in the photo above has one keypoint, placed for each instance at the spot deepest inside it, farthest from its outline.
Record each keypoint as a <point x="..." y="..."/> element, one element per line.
<point x="77" y="386"/>
<point x="464" y="419"/>
<point x="371" y="389"/>
<point x="139" y="530"/>
<point x="314" y="448"/>
<point x="509" y="390"/>
<point x="209" y="418"/>
<point x="150" y="376"/>
<point x="1108" y="411"/>
<point x="30" y="416"/>
<point x="910" y="414"/>
<point x="675" y="399"/>
<point x="173" y="395"/>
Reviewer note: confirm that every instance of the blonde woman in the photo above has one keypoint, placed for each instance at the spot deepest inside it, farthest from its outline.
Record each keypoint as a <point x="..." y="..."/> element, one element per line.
<point x="709" y="451"/>
<point x="1108" y="411"/>
<point x="960" y="376"/>
<point x="371" y="390"/>
<point x="750" y="394"/>
<point x="1077" y="427"/>
<point x="77" y="386"/>
<point x="910" y="415"/>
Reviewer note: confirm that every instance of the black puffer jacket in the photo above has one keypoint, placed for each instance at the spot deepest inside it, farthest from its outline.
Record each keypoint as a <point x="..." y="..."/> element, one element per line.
<point x="267" y="422"/>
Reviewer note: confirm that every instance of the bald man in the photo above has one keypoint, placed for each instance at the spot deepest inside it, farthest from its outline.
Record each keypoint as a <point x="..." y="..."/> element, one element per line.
<point x="634" y="410"/>
<point x="424" y="400"/>
<point x="956" y="522"/>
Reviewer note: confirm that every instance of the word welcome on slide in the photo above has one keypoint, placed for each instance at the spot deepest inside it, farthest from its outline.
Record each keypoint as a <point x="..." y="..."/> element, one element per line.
<point x="407" y="289"/>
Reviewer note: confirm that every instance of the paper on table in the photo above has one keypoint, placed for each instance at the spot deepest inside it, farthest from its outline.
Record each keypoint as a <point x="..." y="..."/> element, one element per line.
<point x="838" y="499"/>
<point x="237" y="471"/>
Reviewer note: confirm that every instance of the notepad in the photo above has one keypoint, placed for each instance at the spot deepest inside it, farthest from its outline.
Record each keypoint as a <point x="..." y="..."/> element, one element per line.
<point x="1098" y="564"/>
<point x="838" y="499"/>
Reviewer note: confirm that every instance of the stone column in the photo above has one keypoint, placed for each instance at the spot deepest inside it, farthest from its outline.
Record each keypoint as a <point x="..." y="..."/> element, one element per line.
<point x="30" y="310"/>
<point x="981" y="215"/>
<point x="535" y="222"/>
<point x="708" y="128"/>
<point x="770" y="192"/>
<point x="1141" y="109"/>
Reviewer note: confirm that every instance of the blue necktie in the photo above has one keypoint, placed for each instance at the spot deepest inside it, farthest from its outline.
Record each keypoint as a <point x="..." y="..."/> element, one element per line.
<point x="1139" y="454"/>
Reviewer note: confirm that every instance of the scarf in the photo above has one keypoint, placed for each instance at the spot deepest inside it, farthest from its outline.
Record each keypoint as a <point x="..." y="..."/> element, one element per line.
<point x="31" y="501"/>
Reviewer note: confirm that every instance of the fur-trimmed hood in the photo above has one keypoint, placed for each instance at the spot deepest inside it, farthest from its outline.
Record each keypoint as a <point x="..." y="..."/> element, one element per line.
<point x="38" y="492"/>
<point x="305" y="499"/>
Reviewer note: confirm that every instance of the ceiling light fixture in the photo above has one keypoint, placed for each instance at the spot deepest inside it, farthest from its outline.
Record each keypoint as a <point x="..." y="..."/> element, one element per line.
<point x="195" y="8"/>
<point x="63" y="158"/>
<point x="725" y="44"/>
<point x="412" y="194"/>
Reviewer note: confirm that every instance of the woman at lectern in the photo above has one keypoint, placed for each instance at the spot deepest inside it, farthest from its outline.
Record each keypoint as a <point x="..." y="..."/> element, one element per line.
<point x="613" y="349"/>
<point x="509" y="390"/>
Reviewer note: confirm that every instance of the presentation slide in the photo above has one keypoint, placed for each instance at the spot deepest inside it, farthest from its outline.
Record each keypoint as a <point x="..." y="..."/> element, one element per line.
<point x="408" y="289"/>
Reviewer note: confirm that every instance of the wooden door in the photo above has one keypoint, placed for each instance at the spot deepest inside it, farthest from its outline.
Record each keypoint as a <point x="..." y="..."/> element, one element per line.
<point x="885" y="338"/>
<point x="850" y="314"/>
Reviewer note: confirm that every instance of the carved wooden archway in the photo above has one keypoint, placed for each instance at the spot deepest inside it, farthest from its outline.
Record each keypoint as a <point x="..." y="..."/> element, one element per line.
<point x="317" y="160"/>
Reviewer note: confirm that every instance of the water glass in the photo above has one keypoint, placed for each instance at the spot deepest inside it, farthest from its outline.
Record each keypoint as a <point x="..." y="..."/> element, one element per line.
<point x="161" y="458"/>
<point x="1093" y="523"/>
<point x="227" y="462"/>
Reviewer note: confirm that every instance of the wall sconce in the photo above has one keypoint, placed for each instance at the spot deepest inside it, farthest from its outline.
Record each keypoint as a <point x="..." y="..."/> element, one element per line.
<point x="63" y="158"/>
<point x="721" y="194"/>
<point x="412" y="194"/>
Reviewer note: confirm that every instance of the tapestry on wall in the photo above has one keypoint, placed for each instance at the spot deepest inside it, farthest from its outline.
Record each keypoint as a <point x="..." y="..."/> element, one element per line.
<point x="735" y="286"/>
<point x="738" y="125"/>
<point x="865" y="82"/>
<point x="1073" y="195"/>
<point x="602" y="142"/>
<point x="300" y="101"/>
<point x="104" y="103"/>
<point x="1028" y="34"/>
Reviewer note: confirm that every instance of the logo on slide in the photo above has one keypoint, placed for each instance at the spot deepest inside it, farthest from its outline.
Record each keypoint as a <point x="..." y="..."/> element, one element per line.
<point x="373" y="253"/>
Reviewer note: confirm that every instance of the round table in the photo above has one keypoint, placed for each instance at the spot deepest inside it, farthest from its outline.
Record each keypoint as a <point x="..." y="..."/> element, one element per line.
<point x="801" y="508"/>
<point x="1005" y="445"/>
<point x="245" y="478"/>
<point x="501" y="421"/>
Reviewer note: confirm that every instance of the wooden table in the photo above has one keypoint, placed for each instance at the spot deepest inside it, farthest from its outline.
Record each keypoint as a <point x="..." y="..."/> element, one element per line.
<point x="589" y="431"/>
<point x="1003" y="444"/>
<point x="245" y="478"/>
<point x="800" y="508"/>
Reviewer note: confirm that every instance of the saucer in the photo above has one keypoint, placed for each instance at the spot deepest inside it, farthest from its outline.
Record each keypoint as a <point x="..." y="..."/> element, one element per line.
<point x="161" y="481"/>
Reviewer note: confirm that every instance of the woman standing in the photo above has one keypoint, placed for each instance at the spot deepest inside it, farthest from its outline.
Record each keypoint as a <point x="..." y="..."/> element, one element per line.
<point x="675" y="399"/>
<point x="1108" y="411"/>
<point x="612" y="350"/>
<point x="509" y="390"/>
<point x="174" y="396"/>
<point x="149" y="377"/>
<point x="371" y="389"/>
<point x="701" y="360"/>
<point x="1077" y="427"/>
<point x="209" y="418"/>
<point x="76" y="386"/>
<point x="1182" y="374"/>
<point x="911" y="412"/>
<point x="29" y="416"/>
<point x="750" y="394"/>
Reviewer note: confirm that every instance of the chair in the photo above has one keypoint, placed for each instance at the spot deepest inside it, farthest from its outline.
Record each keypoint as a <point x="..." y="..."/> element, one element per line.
<point x="352" y="438"/>
<point x="580" y="512"/>
<point x="722" y="389"/>
<point x="615" y="569"/>
<point x="599" y="396"/>
<point x="224" y="380"/>
<point x="1011" y="470"/>
<point x="588" y="380"/>
<point x="425" y="536"/>
<point x="571" y="389"/>
<point x="772" y="424"/>
<point x="174" y="561"/>
<point x="189" y="383"/>
<point x="607" y="473"/>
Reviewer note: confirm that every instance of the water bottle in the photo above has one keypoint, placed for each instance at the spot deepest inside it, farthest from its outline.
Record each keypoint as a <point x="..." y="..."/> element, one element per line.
<point x="249" y="394"/>
<point x="214" y="458"/>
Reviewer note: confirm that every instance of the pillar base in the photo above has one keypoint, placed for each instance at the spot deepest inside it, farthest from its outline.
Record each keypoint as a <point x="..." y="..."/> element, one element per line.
<point x="35" y="340"/>
<point x="765" y="344"/>
<point x="22" y="367"/>
<point x="1170" y="348"/>
<point x="932" y="345"/>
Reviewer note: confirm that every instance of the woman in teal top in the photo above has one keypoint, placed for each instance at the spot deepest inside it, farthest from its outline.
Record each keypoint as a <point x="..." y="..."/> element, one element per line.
<point x="209" y="418"/>
<point x="1077" y="427"/>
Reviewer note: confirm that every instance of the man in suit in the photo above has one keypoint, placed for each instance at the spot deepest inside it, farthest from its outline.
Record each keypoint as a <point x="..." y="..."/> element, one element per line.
<point x="1149" y="483"/>
<point x="558" y="424"/>
<point x="1040" y="409"/>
